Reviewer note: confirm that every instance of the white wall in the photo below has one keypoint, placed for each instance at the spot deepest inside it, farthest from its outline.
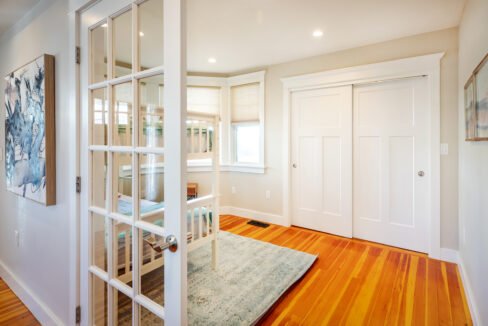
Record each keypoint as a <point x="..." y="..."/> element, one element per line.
<point x="473" y="165"/>
<point x="42" y="262"/>
<point x="251" y="189"/>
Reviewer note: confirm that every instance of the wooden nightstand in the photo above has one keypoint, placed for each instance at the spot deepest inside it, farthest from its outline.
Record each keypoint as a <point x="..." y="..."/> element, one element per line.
<point x="192" y="190"/>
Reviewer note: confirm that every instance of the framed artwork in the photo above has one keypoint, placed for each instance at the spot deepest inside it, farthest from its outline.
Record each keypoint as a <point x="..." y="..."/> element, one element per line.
<point x="481" y="95"/>
<point x="470" y="109"/>
<point x="30" y="146"/>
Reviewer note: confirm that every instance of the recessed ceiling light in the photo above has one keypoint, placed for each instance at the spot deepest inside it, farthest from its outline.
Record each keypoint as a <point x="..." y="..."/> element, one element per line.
<point x="105" y="25"/>
<point x="212" y="60"/>
<point x="317" y="33"/>
<point x="141" y="33"/>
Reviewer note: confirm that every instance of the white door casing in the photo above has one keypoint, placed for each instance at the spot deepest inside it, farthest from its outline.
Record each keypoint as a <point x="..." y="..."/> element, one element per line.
<point x="322" y="159"/>
<point x="391" y="149"/>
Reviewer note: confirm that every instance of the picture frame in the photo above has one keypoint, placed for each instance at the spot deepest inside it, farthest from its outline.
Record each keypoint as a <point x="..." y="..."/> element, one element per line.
<point x="470" y="109"/>
<point x="481" y="99"/>
<point x="30" y="139"/>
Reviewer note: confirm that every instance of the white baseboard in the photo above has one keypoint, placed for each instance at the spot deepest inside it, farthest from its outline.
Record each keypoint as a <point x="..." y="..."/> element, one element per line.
<point x="42" y="313"/>
<point x="473" y="308"/>
<point x="450" y="255"/>
<point x="255" y="215"/>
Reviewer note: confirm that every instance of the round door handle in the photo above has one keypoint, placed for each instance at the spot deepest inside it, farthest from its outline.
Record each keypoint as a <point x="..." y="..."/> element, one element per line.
<point x="294" y="166"/>
<point x="421" y="173"/>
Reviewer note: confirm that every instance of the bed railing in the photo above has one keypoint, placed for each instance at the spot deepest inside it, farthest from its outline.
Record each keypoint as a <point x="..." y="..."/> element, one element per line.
<point x="200" y="223"/>
<point x="200" y="135"/>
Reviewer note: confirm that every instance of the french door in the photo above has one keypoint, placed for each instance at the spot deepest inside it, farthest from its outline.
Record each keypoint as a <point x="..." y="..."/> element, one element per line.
<point x="133" y="162"/>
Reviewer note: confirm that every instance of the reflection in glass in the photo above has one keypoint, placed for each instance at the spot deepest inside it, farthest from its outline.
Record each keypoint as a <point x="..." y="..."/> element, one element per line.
<point x="151" y="183"/>
<point x="99" y="179"/>
<point x="122" y="184"/>
<point x="99" y="301"/>
<point x="99" y="54"/>
<point x="122" y="44"/>
<point x="99" y="238"/>
<point x="123" y="315"/>
<point x="151" y="111"/>
<point x="152" y="279"/>
<point x="99" y="117"/>
<point x="122" y="130"/>
<point x="151" y="34"/>
<point x="148" y="318"/>
<point x="122" y="252"/>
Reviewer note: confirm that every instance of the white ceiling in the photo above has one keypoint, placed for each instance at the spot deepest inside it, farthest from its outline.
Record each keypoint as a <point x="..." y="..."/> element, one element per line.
<point x="243" y="34"/>
<point x="12" y="10"/>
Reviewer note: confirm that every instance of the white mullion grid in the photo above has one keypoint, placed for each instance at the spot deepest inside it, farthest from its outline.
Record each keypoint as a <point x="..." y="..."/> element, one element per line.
<point x="99" y="273"/>
<point x="99" y="85"/>
<point x="151" y="228"/>
<point x="110" y="224"/>
<point x="121" y="149"/>
<point x="136" y="242"/>
<point x="98" y="148"/>
<point x="150" y="305"/>
<point x="120" y="218"/>
<point x="150" y="150"/>
<point x="122" y="287"/>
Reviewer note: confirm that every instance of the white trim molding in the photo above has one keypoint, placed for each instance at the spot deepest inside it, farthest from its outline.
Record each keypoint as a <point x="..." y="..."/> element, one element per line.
<point x="468" y="289"/>
<point x="427" y="66"/>
<point x="449" y="255"/>
<point x="38" y="308"/>
<point x="255" y="215"/>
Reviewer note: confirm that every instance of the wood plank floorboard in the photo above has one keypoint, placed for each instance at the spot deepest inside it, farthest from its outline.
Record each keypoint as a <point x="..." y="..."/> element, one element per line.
<point x="12" y="310"/>
<point x="356" y="282"/>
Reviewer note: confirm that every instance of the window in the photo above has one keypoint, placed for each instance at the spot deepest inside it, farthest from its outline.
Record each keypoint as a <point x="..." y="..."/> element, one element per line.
<point x="246" y="110"/>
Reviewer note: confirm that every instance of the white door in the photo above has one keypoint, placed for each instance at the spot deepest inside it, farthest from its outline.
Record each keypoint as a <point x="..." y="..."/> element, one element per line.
<point x="322" y="159"/>
<point x="391" y="160"/>
<point x="123" y="57"/>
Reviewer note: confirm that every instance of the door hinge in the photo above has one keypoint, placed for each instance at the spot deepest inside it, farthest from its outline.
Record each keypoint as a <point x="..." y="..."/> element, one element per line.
<point x="78" y="54"/>
<point x="78" y="185"/>
<point x="78" y="314"/>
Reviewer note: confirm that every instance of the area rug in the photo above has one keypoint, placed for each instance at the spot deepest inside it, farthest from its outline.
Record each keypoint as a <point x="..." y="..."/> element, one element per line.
<point x="251" y="276"/>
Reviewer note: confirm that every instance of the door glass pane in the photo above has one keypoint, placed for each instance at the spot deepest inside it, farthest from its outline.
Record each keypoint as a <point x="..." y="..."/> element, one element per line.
<point x="123" y="311"/>
<point x="122" y="115"/>
<point x="99" y="237"/>
<point x="151" y="188"/>
<point x="99" y="117"/>
<point x="99" y="301"/>
<point x="99" y="179"/>
<point x="123" y="252"/>
<point x="122" y="44"/>
<point x="151" y="111"/>
<point x="151" y="267"/>
<point x="151" y="34"/>
<point x="99" y="53"/>
<point x="148" y="318"/>
<point x="122" y="183"/>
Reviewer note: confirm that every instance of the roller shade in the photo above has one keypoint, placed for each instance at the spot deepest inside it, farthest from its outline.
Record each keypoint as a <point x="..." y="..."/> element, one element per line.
<point x="245" y="102"/>
<point x="203" y="100"/>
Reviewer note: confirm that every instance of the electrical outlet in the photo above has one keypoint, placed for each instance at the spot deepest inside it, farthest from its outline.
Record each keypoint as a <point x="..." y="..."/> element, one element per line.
<point x="444" y="149"/>
<point x="233" y="189"/>
<point x="17" y="238"/>
<point x="268" y="194"/>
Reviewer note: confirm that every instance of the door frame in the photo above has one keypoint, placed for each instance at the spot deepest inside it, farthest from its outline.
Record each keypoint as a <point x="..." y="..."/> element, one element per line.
<point x="427" y="66"/>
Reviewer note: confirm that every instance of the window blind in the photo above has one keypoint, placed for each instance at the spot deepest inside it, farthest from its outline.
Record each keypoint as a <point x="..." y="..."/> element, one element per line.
<point x="203" y="100"/>
<point x="245" y="102"/>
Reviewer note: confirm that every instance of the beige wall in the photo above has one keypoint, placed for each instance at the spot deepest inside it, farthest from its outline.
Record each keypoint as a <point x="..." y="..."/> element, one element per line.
<point x="473" y="166"/>
<point x="250" y="189"/>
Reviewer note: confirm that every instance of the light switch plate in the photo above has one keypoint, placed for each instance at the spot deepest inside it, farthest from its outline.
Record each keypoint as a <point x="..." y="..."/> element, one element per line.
<point x="444" y="149"/>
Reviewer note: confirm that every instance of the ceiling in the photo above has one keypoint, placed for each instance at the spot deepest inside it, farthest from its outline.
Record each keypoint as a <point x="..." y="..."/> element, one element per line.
<point x="12" y="10"/>
<point x="243" y="34"/>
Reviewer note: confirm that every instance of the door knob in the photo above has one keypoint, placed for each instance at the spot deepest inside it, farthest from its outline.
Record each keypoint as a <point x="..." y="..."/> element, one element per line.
<point x="421" y="173"/>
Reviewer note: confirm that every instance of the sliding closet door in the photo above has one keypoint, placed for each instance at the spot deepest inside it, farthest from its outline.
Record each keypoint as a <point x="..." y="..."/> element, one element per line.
<point x="391" y="160"/>
<point x="322" y="159"/>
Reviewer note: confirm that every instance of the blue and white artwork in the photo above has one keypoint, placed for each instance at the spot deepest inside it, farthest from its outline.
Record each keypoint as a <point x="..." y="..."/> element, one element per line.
<point x="25" y="131"/>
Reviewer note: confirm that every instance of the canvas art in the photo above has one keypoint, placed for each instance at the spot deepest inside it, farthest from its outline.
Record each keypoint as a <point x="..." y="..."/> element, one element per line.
<point x="30" y="131"/>
<point x="481" y="77"/>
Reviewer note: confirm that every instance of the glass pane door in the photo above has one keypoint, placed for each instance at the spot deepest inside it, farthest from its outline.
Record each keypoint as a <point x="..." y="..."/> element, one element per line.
<point x="124" y="209"/>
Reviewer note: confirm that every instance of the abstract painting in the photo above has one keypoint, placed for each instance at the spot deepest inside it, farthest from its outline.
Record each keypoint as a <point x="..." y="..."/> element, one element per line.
<point x="481" y="77"/>
<point x="30" y="162"/>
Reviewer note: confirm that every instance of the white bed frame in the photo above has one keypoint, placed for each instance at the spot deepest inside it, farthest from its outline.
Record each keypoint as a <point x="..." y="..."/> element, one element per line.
<point x="201" y="230"/>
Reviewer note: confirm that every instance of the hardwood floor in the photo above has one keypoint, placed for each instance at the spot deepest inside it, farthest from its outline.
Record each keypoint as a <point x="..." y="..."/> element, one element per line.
<point x="356" y="282"/>
<point x="12" y="310"/>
